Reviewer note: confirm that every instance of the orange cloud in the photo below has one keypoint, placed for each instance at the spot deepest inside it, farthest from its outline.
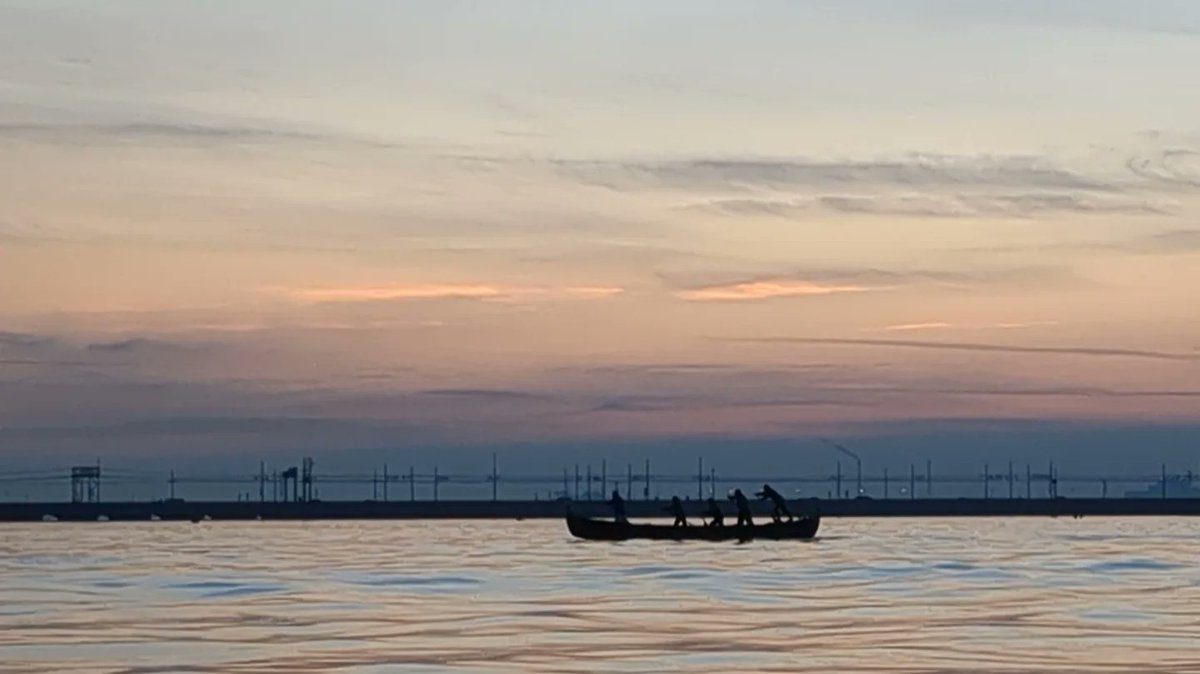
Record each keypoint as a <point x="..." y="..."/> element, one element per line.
<point x="761" y="290"/>
<point x="914" y="326"/>
<point x="939" y="325"/>
<point x="593" y="291"/>
<point x="439" y="291"/>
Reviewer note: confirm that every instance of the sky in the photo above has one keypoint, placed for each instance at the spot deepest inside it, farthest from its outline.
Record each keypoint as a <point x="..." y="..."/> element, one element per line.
<point x="235" y="230"/>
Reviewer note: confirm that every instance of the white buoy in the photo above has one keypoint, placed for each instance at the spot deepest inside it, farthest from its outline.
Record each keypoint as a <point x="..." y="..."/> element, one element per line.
<point x="49" y="518"/>
<point x="207" y="518"/>
<point x="102" y="518"/>
<point x="154" y="518"/>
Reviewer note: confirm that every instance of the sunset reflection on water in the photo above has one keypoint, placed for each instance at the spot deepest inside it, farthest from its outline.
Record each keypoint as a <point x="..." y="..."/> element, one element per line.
<point x="868" y="595"/>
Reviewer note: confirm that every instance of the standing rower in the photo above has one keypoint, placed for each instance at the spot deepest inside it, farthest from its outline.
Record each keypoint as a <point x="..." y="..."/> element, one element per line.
<point x="676" y="509"/>
<point x="743" y="508"/>
<point x="618" y="506"/>
<point x="778" y="500"/>
<point x="716" y="517"/>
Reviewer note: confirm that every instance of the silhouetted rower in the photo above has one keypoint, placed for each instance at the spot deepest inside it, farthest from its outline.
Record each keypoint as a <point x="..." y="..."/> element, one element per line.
<point x="778" y="500"/>
<point x="676" y="509"/>
<point x="714" y="514"/>
<point x="618" y="506"/>
<point x="743" y="508"/>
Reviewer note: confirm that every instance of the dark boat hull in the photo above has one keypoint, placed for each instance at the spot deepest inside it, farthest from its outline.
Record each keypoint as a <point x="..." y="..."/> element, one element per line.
<point x="608" y="530"/>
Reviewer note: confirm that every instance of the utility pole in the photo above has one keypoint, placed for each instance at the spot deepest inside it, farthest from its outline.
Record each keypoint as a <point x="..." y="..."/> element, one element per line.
<point x="646" y="493"/>
<point x="629" y="483"/>
<point x="700" y="478"/>
<point x="712" y="482"/>
<point x="495" y="477"/>
<point x="839" y="479"/>
<point x="857" y="461"/>
<point x="986" y="478"/>
<point x="589" y="482"/>
<point x="566" y="488"/>
<point x="436" y="480"/>
<point x="385" y="483"/>
<point x="928" y="478"/>
<point x="412" y="484"/>
<point x="603" y="477"/>
<point x="1010" y="481"/>
<point x="885" y="483"/>
<point x="262" y="482"/>
<point x="1028" y="481"/>
<point x="1164" y="481"/>
<point x="576" y="482"/>
<point x="912" y="481"/>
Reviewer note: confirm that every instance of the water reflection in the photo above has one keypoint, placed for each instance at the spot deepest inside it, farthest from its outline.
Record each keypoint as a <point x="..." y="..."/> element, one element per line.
<point x="871" y="595"/>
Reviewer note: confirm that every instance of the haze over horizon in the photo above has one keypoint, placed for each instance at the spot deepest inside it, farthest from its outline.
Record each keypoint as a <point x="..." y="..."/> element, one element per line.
<point x="235" y="230"/>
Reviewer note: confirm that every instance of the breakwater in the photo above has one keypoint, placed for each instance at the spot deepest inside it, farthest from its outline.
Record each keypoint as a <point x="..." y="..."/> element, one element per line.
<point x="179" y="510"/>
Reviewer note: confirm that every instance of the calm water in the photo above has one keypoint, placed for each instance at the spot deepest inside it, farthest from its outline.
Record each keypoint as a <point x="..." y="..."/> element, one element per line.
<point x="870" y="595"/>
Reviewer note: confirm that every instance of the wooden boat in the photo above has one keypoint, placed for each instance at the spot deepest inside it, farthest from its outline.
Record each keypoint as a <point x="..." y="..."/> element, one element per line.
<point x="609" y="530"/>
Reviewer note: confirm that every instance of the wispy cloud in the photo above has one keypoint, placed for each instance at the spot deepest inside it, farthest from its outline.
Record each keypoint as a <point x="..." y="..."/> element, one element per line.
<point x="971" y="346"/>
<point x="941" y="325"/>
<point x="1022" y="205"/>
<point x="905" y="327"/>
<point x="171" y="131"/>
<point x="439" y="291"/>
<point x="850" y="279"/>
<point x="1177" y="167"/>
<point x="1170" y="242"/>
<point x="23" y="340"/>
<point x="762" y="290"/>
<point x="778" y="173"/>
<point x="482" y="394"/>
<point x="144" y="345"/>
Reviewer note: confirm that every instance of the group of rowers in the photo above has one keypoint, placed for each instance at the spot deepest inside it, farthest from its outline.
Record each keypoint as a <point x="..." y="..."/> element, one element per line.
<point x="713" y="513"/>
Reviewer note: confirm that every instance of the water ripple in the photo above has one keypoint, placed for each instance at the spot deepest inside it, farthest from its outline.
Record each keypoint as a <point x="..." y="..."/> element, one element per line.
<point x="933" y="596"/>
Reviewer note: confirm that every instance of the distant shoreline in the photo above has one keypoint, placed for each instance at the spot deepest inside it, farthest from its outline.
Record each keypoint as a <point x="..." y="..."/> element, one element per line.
<point x="431" y="510"/>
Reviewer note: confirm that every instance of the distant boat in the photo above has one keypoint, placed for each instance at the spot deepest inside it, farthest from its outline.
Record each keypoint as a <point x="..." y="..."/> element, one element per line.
<point x="155" y="518"/>
<point x="102" y="518"/>
<point x="609" y="530"/>
<point x="49" y="518"/>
